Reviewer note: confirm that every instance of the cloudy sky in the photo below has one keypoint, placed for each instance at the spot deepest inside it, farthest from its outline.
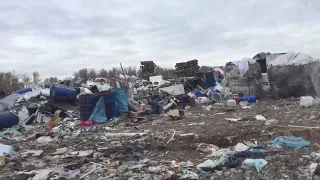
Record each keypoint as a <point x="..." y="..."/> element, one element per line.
<point x="57" y="37"/>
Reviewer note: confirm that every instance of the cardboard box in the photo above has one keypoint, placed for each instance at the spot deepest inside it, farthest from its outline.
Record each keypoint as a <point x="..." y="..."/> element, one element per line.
<point x="2" y="161"/>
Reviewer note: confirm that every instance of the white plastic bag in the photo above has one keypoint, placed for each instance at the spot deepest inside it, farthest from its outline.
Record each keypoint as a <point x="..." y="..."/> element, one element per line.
<point x="240" y="147"/>
<point x="306" y="101"/>
<point x="23" y="114"/>
<point x="27" y="96"/>
<point x="257" y="163"/>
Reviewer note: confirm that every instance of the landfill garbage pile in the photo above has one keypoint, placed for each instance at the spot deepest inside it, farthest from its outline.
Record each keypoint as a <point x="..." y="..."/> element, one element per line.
<point x="202" y="128"/>
<point x="244" y="77"/>
<point x="294" y="74"/>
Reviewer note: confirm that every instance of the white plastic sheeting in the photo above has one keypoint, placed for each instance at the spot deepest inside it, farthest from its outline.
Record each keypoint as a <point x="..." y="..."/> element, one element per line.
<point x="291" y="58"/>
<point x="218" y="70"/>
<point x="175" y="90"/>
<point x="101" y="87"/>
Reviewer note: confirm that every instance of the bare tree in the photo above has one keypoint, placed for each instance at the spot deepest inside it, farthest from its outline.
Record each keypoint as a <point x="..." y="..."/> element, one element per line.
<point x="36" y="77"/>
<point x="25" y="79"/>
<point x="103" y="73"/>
<point x="83" y="73"/>
<point x="9" y="82"/>
<point x="76" y="74"/>
<point x="131" y="71"/>
<point x="68" y="78"/>
<point x="51" y="80"/>
<point x="206" y="69"/>
<point x="92" y="74"/>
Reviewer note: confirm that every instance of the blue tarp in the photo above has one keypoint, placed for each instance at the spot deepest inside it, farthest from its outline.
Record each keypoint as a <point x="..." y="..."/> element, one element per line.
<point x="122" y="99"/>
<point x="291" y="142"/>
<point x="99" y="112"/>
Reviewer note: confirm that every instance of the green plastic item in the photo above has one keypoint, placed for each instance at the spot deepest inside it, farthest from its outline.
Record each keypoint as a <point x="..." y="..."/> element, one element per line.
<point x="7" y="132"/>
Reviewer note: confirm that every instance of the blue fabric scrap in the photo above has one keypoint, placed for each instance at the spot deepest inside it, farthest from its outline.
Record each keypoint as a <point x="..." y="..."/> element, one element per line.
<point x="99" y="112"/>
<point x="291" y="142"/>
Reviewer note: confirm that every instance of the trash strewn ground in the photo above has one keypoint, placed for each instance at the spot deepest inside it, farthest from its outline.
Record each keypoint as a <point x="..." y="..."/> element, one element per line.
<point x="112" y="150"/>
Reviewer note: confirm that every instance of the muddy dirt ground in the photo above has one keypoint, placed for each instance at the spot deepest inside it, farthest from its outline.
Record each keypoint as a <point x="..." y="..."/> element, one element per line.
<point x="120" y="157"/>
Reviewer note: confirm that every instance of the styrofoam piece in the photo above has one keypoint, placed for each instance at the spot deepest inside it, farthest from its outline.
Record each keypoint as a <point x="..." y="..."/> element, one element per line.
<point x="175" y="90"/>
<point x="5" y="149"/>
<point x="231" y="102"/>
<point x="306" y="101"/>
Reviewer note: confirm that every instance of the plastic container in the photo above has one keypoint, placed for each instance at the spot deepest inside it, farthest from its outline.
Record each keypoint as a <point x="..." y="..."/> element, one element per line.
<point x="63" y="94"/>
<point x="231" y="102"/>
<point x="22" y="91"/>
<point x="79" y="89"/>
<point x="216" y="97"/>
<point x="219" y="88"/>
<point x="8" y="119"/>
<point x="198" y="94"/>
<point x="203" y="100"/>
<point x="86" y="106"/>
<point x="88" y="101"/>
<point x="250" y="99"/>
<point x="32" y="108"/>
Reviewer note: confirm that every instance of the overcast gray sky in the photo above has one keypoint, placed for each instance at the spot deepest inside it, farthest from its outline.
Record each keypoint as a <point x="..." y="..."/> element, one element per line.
<point x="57" y="37"/>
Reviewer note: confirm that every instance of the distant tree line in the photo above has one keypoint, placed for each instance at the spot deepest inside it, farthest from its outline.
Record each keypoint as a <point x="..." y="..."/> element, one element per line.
<point x="130" y="71"/>
<point x="166" y="73"/>
<point x="11" y="81"/>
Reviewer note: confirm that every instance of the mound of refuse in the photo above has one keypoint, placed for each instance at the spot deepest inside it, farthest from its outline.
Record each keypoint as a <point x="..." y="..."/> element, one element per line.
<point x="294" y="74"/>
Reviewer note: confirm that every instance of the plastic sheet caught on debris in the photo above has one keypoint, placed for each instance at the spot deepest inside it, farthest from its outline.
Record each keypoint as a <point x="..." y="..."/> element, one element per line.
<point x="122" y="100"/>
<point x="256" y="163"/>
<point x="291" y="142"/>
<point x="99" y="114"/>
<point x="306" y="101"/>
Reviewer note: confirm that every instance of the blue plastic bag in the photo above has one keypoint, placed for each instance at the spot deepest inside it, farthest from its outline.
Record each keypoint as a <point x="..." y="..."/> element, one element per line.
<point x="99" y="112"/>
<point x="291" y="142"/>
<point x="122" y="99"/>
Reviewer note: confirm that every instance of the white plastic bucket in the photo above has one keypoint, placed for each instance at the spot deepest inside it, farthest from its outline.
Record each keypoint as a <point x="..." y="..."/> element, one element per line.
<point x="202" y="100"/>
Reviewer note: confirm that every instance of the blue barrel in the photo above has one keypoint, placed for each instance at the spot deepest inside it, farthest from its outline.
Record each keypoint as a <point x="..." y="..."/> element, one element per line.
<point x="63" y="94"/>
<point x="22" y="91"/>
<point x="110" y="101"/>
<point x="250" y="99"/>
<point x="87" y="103"/>
<point x="86" y="106"/>
<point x="8" y="119"/>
